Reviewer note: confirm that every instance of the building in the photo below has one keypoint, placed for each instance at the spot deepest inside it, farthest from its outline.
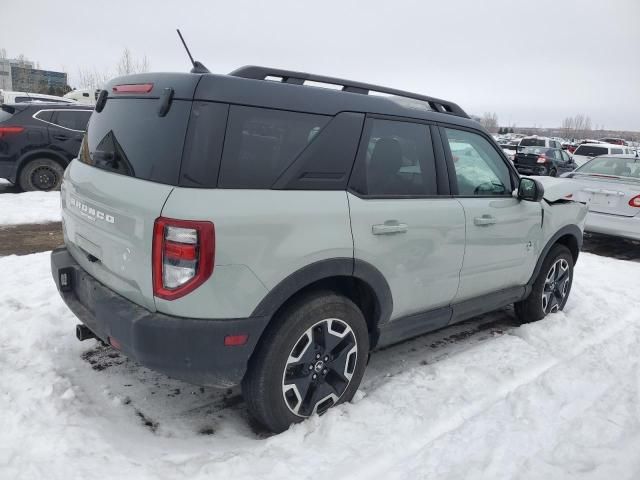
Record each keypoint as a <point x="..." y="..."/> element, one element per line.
<point x="26" y="79"/>
<point x="6" y="64"/>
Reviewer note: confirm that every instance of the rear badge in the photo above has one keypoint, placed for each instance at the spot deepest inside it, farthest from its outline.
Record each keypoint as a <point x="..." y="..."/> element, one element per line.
<point x="90" y="213"/>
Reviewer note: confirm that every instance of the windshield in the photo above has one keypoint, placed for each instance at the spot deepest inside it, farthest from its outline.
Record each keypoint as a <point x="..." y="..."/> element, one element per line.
<point x="590" y="151"/>
<point x="619" y="167"/>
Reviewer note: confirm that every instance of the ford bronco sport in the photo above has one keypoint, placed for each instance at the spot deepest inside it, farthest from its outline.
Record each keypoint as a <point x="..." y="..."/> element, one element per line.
<point x="258" y="229"/>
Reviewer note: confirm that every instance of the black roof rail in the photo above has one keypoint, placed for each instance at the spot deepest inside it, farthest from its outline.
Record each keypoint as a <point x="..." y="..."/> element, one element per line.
<point x="298" y="78"/>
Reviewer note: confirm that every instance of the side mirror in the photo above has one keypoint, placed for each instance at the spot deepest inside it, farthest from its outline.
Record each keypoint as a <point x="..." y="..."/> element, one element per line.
<point x="530" y="190"/>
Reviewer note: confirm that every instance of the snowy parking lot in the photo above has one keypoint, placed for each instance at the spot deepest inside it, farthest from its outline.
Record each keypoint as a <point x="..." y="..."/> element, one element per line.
<point x="483" y="399"/>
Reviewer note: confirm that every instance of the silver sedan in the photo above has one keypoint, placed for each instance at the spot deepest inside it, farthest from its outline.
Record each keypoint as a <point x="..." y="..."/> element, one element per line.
<point x="610" y="186"/>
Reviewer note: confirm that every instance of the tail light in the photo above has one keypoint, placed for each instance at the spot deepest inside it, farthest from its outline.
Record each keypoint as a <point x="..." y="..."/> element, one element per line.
<point x="635" y="201"/>
<point x="542" y="159"/>
<point x="9" y="130"/>
<point x="182" y="256"/>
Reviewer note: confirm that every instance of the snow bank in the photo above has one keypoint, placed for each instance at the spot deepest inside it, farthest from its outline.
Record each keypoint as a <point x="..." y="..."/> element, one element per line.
<point x="29" y="207"/>
<point x="485" y="399"/>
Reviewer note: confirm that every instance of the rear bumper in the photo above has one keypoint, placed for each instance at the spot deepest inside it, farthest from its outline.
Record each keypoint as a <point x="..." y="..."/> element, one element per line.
<point x="188" y="349"/>
<point x="8" y="171"/>
<point x="626" y="227"/>
<point x="531" y="170"/>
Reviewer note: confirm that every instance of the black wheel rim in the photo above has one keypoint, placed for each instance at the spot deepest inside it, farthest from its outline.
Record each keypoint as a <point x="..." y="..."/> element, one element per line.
<point x="556" y="286"/>
<point x="319" y="367"/>
<point x="44" y="178"/>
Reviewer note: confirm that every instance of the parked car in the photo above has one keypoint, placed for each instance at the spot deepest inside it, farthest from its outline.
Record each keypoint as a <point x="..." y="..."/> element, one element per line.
<point x="543" y="161"/>
<point x="38" y="140"/>
<point x="25" y="97"/>
<point x="84" y="95"/>
<point x="236" y="229"/>
<point x="587" y="151"/>
<point x="610" y="186"/>
<point x="536" y="141"/>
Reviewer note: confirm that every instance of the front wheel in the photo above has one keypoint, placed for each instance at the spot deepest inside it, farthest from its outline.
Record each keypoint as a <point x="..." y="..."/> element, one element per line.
<point x="551" y="288"/>
<point x="312" y="358"/>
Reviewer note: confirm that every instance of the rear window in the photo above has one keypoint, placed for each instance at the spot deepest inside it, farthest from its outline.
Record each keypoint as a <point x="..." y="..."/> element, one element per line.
<point x="538" y="150"/>
<point x="261" y="143"/>
<point x="128" y="137"/>
<point x="532" y="142"/>
<point x="621" y="167"/>
<point x="590" y="151"/>
<point x="4" y="115"/>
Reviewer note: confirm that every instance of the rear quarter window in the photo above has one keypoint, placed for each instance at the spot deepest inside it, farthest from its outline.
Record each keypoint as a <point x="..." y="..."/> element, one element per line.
<point x="261" y="143"/>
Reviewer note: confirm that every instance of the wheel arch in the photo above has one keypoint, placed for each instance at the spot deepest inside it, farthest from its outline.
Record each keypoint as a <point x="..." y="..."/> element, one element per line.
<point x="40" y="153"/>
<point x="357" y="280"/>
<point x="570" y="236"/>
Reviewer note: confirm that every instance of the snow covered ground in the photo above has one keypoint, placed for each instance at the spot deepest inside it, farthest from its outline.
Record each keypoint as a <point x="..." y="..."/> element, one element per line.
<point x="485" y="399"/>
<point x="29" y="207"/>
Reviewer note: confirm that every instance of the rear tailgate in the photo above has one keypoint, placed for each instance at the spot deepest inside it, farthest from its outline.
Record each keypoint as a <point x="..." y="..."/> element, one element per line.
<point x="127" y="167"/>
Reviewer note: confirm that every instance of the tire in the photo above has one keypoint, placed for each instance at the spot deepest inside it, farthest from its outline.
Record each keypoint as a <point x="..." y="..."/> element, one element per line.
<point x="292" y="376"/>
<point x="551" y="288"/>
<point x="553" y="173"/>
<point x="41" y="174"/>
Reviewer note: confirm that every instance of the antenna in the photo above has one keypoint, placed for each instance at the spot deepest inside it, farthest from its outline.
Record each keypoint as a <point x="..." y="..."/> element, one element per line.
<point x="197" y="66"/>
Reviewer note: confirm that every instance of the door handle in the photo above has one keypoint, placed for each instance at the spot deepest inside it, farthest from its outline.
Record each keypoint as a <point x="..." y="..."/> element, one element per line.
<point x="389" y="227"/>
<point x="61" y="137"/>
<point x="484" y="220"/>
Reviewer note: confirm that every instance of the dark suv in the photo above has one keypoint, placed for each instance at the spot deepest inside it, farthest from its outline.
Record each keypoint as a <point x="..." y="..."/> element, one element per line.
<point x="543" y="161"/>
<point x="38" y="140"/>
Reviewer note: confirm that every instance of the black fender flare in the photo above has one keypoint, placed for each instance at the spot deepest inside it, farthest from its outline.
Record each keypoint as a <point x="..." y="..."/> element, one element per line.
<point x="44" y="152"/>
<point x="572" y="230"/>
<point x="323" y="269"/>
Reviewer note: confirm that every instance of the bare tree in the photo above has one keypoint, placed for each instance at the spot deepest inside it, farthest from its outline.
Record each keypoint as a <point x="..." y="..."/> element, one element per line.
<point x="578" y="126"/>
<point x="3" y="53"/>
<point x="490" y="122"/>
<point x="92" y="78"/>
<point x="129" y="64"/>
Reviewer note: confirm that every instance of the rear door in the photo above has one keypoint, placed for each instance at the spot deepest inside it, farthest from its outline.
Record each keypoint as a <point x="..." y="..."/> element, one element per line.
<point x="502" y="233"/>
<point x="114" y="192"/>
<point x="400" y="224"/>
<point x="66" y="129"/>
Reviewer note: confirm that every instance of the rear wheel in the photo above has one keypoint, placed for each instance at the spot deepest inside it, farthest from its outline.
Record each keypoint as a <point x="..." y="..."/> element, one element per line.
<point x="312" y="358"/>
<point x="41" y="174"/>
<point x="551" y="288"/>
<point x="553" y="173"/>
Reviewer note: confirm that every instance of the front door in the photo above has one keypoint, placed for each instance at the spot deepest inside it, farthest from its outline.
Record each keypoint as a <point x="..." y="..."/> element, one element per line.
<point x="502" y="233"/>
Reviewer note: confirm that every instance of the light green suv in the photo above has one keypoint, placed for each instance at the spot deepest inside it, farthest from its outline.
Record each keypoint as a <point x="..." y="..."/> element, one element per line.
<point x="252" y="229"/>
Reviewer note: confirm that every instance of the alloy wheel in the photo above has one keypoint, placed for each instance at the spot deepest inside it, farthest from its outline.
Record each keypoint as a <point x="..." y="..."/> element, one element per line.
<point x="319" y="367"/>
<point x="556" y="286"/>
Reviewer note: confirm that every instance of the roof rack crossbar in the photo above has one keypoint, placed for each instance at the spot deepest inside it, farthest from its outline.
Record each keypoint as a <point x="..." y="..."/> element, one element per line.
<point x="298" y="78"/>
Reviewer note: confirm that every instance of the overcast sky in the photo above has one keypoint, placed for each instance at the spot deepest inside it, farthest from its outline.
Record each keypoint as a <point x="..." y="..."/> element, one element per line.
<point x="533" y="62"/>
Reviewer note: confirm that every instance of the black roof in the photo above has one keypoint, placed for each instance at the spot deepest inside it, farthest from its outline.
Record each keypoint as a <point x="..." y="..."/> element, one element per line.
<point x="255" y="86"/>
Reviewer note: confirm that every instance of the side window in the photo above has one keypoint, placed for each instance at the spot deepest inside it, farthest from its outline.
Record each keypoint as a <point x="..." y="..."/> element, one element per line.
<point x="44" y="115"/>
<point x="261" y="143"/>
<point x="557" y="155"/>
<point x="565" y="156"/>
<point x="480" y="170"/>
<point x="74" y="120"/>
<point x="395" y="159"/>
<point x="616" y="151"/>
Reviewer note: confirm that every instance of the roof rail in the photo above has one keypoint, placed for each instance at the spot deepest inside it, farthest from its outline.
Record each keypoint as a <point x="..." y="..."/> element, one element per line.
<point x="298" y="78"/>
